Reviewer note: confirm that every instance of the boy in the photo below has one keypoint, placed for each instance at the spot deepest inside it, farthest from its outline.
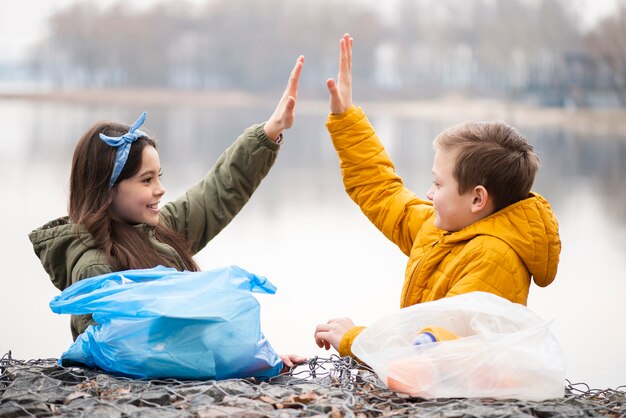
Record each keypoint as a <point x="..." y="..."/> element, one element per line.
<point x="481" y="228"/>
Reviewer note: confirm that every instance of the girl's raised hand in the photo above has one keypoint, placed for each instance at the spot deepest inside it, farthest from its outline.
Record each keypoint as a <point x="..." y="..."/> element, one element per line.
<point x="341" y="90"/>
<point x="290" y="360"/>
<point x="285" y="112"/>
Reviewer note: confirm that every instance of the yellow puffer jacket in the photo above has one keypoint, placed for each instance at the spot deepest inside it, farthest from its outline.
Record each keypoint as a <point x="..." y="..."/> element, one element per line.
<point x="497" y="254"/>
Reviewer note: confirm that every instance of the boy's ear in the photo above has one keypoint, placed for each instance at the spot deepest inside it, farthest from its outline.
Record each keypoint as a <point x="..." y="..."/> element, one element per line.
<point x="480" y="199"/>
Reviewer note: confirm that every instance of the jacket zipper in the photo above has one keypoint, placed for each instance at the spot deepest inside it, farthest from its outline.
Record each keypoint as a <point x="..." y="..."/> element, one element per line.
<point x="415" y="271"/>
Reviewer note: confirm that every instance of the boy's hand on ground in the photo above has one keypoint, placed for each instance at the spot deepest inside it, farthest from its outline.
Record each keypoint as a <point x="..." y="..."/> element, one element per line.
<point x="285" y="111"/>
<point x="341" y="90"/>
<point x="331" y="333"/>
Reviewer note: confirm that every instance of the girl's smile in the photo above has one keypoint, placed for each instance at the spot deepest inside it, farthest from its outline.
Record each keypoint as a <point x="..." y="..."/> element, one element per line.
<point x="136" y="199"/>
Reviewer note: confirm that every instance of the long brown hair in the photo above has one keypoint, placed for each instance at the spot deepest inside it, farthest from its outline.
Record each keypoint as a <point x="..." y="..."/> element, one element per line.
<point x="126" y="246"/>
<point x="494" y="155"/>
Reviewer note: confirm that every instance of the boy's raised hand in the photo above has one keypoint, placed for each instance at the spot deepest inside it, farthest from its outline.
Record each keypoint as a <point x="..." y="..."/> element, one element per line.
<point x="341" y="90"/>
<point x="285" y="112"/>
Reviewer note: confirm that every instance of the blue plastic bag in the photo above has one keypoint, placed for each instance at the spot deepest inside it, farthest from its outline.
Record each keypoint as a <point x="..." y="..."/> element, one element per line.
<point x="162" y="323"/>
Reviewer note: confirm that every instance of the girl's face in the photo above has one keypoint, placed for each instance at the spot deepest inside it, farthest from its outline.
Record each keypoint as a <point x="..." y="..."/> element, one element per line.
<point x="136" y="199"/>
<point x="452" y="210"/>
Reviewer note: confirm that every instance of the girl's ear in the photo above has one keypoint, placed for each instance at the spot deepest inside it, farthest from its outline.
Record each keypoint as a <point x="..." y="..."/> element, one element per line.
<point x="480" y="199"/>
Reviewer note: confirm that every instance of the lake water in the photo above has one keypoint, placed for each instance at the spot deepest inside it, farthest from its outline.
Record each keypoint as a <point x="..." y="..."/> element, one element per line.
<point x="302" y="231"/>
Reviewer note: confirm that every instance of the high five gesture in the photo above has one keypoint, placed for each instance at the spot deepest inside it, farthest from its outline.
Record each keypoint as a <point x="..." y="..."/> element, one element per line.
<point x="285" y="112"/>
<point x="341" y="90"/>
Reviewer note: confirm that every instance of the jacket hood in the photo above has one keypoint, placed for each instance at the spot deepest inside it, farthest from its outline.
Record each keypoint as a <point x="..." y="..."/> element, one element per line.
<point x="531" y="229"/>
<point x="59" y="245"/>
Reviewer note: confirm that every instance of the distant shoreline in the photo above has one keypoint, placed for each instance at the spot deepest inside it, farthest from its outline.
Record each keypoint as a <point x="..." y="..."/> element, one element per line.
<point x="448" y="109"/>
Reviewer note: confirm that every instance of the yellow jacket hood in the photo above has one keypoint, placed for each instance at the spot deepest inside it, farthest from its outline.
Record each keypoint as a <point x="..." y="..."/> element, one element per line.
<point x="530" y="228"/>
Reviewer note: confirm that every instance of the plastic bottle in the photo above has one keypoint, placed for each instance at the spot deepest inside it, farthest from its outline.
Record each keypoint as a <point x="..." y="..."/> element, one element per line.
<point x="433" y="334"/>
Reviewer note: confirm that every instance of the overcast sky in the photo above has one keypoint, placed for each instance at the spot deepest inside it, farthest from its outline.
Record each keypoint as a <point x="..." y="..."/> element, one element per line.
<point x="24" y="22"/>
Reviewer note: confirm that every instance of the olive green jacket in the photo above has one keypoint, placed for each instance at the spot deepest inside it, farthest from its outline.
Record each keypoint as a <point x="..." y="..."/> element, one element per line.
<point x="69" y="253"/>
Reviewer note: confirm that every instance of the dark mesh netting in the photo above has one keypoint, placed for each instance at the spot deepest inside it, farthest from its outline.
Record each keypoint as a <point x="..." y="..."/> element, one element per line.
<point x="333" y="387"/>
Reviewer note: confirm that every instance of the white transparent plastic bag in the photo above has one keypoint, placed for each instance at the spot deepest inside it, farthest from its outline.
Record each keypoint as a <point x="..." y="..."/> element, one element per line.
<point x="504" y="351"/>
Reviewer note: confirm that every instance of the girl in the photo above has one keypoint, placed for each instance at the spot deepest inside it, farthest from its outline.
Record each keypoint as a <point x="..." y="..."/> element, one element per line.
<point x="114" y="220"/>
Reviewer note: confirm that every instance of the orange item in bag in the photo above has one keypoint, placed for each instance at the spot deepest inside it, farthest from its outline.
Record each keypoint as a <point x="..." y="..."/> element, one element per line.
<point x="418" y="370"/>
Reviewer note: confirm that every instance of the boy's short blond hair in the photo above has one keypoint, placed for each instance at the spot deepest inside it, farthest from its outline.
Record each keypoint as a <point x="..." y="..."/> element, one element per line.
<point x="494" y="155"/>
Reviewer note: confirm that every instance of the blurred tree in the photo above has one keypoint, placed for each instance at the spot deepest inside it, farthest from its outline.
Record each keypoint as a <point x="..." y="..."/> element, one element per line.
<point x="513" y="47"/>
<point x="221" y="44"/>
<point x="252" y="43"/>
<point x="114" y="46"/>
<point x="75" y="36"/>
<point x="607" y="41"/>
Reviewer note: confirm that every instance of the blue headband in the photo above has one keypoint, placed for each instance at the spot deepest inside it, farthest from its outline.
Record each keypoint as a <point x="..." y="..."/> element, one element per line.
<point x="123" y="144"/>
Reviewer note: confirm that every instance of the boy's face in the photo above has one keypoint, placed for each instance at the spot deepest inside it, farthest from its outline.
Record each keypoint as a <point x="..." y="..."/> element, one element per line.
<point x="452" y="210"/>
<point x="136" y="199"/>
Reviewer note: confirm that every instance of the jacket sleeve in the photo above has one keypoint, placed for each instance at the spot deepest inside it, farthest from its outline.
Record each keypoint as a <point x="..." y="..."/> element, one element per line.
<point x="79" y="323"/>
<point x="210" y="205"/>
<point x="345" y="346"/>
<point x="371" y="181"/>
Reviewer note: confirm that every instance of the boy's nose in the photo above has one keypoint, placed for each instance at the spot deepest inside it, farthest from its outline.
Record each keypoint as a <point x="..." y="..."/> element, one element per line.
<point x="429" y="194"/>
